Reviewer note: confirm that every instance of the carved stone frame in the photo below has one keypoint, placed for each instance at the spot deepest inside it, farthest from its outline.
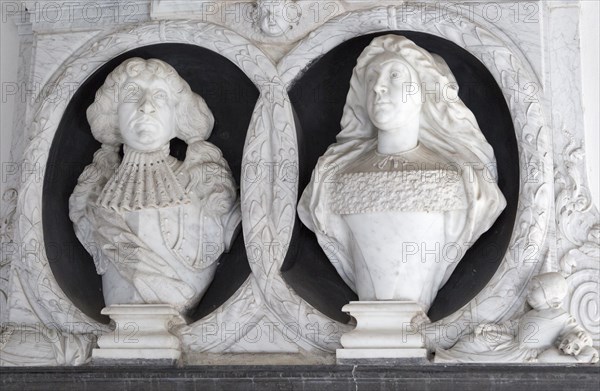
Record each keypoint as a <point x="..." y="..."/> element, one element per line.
<point x="269" y="203"/>
<point x="504" y="294"/>
<point x="35" y="297"/>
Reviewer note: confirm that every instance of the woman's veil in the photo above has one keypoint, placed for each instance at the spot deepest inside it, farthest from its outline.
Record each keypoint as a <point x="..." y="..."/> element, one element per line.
<point x="448" y="128"/>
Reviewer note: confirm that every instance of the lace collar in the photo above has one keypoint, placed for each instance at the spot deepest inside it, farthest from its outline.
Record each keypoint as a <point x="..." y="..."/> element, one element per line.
<point x="143" y="180"/>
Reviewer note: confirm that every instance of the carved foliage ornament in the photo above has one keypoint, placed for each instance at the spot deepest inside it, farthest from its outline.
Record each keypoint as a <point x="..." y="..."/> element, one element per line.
<point x="269" y="205"/>
<point x="505" y="293"/>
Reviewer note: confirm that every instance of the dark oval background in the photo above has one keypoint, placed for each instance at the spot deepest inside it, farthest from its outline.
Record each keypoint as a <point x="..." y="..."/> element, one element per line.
<point x="231" y="97"/>
<point x="318" y="97"/>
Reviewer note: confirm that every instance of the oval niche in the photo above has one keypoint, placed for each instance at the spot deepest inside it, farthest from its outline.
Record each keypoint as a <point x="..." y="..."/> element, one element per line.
<point x="231" y="97"/>
<point x="318" y="97"/>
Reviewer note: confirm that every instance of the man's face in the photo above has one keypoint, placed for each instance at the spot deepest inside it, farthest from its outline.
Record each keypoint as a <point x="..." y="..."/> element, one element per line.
<point x="272" y="17"/>
<point x="146" y="113"/>
<point x="393" y="94"/>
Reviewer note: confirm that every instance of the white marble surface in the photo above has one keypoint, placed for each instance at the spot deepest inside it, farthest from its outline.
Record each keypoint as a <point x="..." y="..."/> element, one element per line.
<point x="577" y="244"/>
<point x="545" y="334"/>
<point x="374" y="193"/>
<point x="521" y="53"/>
<point x="160" y="224"/>
<point x="589" y="32"/>
<point x="384" y="329"/>
<point x="264" y="294"/>
<point x="141" y="333"/>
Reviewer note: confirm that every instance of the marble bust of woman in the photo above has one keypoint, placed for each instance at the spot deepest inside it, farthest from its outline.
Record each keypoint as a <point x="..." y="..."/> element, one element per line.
<point x="155" y="226"/>
<point x="409" y="184"/>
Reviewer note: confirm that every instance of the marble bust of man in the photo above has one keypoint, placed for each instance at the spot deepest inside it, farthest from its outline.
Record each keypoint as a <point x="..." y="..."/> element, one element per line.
<point x="399" y="198"/>
<point x="155" y="226"/>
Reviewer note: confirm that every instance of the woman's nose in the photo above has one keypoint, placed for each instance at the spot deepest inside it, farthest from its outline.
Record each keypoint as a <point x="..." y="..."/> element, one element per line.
<point x="380" y="87"/>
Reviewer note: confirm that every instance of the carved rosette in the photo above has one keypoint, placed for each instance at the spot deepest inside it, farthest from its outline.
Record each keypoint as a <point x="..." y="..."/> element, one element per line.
<point x="584" y="302"/>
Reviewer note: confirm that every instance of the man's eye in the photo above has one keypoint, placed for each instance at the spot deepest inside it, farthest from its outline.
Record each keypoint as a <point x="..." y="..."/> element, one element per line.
<point x="160" y="95"/>
<point x="396" y="74"/>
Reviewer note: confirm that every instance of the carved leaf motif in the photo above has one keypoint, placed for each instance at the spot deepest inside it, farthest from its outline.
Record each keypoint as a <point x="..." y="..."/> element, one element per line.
<point x="50" y="302"/>
<point x="266" y="135"/>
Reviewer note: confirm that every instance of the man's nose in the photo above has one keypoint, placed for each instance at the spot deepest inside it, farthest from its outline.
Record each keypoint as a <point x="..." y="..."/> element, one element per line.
<point x="146" y="105"/>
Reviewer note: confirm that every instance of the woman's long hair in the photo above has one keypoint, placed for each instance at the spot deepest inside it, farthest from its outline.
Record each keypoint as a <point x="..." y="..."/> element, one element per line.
<point x="447" y="127"/>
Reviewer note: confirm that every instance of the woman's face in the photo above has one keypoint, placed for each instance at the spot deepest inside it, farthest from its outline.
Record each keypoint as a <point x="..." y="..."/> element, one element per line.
<point x="394" y="94"/>
<point x="146" y="113"/>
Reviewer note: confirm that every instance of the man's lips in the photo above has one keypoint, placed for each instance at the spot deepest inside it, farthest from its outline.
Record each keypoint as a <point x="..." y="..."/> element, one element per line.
<point x="143" y="123"/>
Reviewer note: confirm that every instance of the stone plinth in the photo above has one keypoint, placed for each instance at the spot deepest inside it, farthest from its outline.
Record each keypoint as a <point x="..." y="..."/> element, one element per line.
<point x="142" y="333"/>
<point x="385" y="331"/>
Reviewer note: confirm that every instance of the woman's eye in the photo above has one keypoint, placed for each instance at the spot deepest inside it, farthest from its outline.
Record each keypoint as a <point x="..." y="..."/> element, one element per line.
<point x="398" y="74"/>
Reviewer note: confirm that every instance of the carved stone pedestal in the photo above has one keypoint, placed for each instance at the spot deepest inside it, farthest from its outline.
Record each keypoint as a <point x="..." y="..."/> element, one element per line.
<point x="517" y="66"/>
<point x="142" y="333"/>
<point x="386" y="331"/>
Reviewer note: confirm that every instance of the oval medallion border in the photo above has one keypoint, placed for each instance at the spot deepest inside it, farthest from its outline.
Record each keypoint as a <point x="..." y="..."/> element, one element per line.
<point x="270" y="138"/>
<point x="269" y="202"/>
<point x="505" y="292"/>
